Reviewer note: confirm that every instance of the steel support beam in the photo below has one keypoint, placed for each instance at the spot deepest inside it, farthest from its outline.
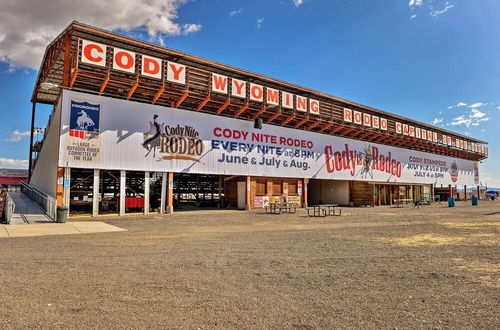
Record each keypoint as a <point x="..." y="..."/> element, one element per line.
<point x="181" y="99"/>
<point x="273" y="117"/>
<point x="286" y="121"/>
<point x="203" y="103"/>
<point x="222" y="107"/>
<point x="132" y="89"/>
<point x="158" y="94"/>
<point x="241" y="110"/>
<point x="301" y="122"/>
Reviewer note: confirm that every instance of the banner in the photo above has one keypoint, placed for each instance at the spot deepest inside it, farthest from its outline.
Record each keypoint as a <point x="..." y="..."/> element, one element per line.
<point x="83" y="140"/>
<point x="142" y="137"/>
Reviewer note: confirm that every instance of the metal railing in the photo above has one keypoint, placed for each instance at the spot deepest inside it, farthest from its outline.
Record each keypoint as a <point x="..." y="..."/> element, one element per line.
<point x="45" y="201"/>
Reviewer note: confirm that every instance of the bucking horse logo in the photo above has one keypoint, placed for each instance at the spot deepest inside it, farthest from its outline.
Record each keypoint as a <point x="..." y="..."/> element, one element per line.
<point x="153" y="136"/>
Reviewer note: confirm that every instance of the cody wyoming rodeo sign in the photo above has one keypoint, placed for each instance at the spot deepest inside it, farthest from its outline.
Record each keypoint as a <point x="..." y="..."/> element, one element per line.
<point x="83" y="142"/>
<point x="106" y="133"/>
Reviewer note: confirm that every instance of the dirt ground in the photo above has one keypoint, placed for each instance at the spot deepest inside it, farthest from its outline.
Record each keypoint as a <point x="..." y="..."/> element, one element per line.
<point x="383" y="267"/>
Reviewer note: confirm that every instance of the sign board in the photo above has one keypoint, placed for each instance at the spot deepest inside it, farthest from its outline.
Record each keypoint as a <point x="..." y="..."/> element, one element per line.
<point x="142" y="137"/>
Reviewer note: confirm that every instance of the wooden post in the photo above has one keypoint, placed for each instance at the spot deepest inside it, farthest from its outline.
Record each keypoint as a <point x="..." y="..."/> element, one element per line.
<point x="465" y="193"/>
<point x="63" y="173"/>
<point x="478" y="193"/>
<point x="432" y="193"/>
<point x="163" y="192"/>
<point x="170" y="193"/>
<point x="305" y="192"/>
<point x="247" y="194"/>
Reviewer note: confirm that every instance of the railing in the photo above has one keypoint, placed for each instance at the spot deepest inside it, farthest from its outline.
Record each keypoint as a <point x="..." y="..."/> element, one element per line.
<point x="10" y="207"/>
<point x="46" y="202"/>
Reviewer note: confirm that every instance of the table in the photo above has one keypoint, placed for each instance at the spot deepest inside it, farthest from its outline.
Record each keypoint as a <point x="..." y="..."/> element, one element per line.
<point x="323" y="210"/>
<point x="402" y="201"/>
<point x="278" y="208"/>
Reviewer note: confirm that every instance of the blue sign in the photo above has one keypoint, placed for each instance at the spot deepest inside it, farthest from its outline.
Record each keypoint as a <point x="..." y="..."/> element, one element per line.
<point x="67" y="183"/>
<point x="84" y="116"/>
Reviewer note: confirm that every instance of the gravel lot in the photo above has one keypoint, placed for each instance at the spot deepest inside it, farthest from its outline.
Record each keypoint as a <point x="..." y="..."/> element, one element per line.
<point x="383" y="267"/>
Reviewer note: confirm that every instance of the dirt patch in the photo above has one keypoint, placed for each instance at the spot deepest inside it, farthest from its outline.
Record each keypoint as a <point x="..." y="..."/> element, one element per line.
<point x="370" y="268"/>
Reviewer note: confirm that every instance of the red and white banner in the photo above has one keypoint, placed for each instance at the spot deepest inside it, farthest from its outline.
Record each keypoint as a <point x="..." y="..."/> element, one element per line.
<point x="143" y="137"/>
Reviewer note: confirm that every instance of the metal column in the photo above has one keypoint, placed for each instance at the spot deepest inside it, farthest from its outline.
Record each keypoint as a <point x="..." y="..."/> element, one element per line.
<point x="95" y="194"/>
<point x="123" y="176"/>
<point x="146" y="192"/>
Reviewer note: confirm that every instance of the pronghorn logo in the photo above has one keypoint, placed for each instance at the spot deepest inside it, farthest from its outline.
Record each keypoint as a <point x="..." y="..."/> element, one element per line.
<point x="176" y="142"/>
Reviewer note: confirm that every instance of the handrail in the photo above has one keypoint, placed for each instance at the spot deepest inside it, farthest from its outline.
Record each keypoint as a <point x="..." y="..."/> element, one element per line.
<point x="45" y="201"/>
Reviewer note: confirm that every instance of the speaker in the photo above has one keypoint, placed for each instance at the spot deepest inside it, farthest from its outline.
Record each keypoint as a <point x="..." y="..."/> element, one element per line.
<point x="258" y="123"/>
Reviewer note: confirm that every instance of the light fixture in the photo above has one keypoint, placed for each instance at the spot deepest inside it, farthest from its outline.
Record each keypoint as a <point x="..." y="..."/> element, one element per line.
<point x="49" y="85"/>
<point x="258" y="123"/>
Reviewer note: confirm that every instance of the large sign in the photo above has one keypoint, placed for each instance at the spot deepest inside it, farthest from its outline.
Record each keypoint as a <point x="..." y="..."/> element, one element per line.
<point x="83" y="140"/>
<point x="142" y="137"/>
<point x="151" y="67"/>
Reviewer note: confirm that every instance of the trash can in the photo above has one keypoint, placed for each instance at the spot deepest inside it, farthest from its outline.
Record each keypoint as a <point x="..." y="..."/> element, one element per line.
<point x="451" y="202"/>
<point x="62" y="214"/>
<point x="474" y="201"/>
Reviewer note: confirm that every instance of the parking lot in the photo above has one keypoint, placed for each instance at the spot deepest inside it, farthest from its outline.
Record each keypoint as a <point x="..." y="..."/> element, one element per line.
<point x="432" y="267"/>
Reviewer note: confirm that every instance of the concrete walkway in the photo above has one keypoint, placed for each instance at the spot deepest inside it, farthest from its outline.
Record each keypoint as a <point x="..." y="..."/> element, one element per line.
<point x="26" y="210"/>
<point x="45" y="229"/>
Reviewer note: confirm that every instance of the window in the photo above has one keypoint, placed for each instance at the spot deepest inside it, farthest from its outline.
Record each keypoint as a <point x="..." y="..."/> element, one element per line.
<point x="261" y="187"/>
<point x="292" y="188"/>
<point x="277" y="187"/>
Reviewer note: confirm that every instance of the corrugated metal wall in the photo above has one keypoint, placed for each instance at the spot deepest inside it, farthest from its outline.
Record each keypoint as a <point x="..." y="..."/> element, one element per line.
<point x="44" y="175"/>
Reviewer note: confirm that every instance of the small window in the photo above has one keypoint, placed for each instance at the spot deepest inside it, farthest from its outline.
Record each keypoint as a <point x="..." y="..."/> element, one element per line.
<point x="292" y="188"/>
<point x="277" y="187"/>
<point x="261" y="187"/>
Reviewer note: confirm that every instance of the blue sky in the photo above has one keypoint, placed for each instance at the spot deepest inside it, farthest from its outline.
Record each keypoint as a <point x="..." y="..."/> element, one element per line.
<point x="433" y="61"/>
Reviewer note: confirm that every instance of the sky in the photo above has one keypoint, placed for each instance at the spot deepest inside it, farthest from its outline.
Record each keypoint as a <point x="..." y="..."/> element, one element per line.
<point x="430" y="60"/>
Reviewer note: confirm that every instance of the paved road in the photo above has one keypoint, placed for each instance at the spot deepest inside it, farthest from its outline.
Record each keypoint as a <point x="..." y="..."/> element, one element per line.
<point x="26" y="210"/>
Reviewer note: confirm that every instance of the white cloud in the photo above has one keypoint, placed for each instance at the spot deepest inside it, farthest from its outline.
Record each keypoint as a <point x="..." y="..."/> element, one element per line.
<point x="437" y="121"/>
<point x="461" y="120"/>
<point x="477" y="114"/>
<point x="236" y="12"/>
<point x="459" y="104"/>
<point x="13" y="162"/>
<point x="473" y="118"/>
<point x="436" y="13"/>
<point x="298" y="2"/>
<point x="259" y="22"/>
<point x="17" y="135"/>
<point x="477" y="105"/>
<point x="415" y="3"/>
<point x="28" y="26"/>
<point x="428" y="6"/>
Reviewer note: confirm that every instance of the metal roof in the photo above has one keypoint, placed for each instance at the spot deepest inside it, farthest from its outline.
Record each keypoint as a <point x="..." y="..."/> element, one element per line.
<point x="60" y="66"/>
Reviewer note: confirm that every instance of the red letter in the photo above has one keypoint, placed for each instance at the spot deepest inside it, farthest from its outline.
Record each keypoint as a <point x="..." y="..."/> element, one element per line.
<point x="176" y="70"/>
<point x="87" y="51"/>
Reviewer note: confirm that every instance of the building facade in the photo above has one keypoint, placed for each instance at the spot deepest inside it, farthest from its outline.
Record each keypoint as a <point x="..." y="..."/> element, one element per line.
<point x="142" y="128"/>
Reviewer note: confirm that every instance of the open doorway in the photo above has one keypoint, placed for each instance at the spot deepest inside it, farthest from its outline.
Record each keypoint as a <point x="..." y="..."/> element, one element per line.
<point x="81" y="191"/>
<point x="195" y="191"/>
<point x="109" y="188"/>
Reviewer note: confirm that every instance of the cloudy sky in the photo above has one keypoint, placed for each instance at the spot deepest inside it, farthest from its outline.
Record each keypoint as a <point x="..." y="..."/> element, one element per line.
<point x="431" y="60"/>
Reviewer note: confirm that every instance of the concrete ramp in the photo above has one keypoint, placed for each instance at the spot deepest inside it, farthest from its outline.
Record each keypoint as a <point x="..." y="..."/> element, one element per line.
<point x="26" y="210"/>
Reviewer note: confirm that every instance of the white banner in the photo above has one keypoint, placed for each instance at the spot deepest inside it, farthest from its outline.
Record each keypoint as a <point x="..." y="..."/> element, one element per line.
<point x="141" y="137"/>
